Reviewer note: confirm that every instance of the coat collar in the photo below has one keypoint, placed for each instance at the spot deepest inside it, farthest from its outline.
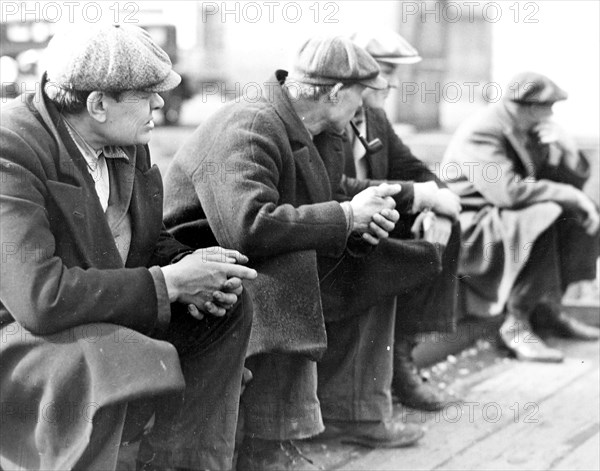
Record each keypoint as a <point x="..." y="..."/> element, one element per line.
<point x="282" y="105"/>
<point x="311" y="161"/>
<point x="516" y="138"/>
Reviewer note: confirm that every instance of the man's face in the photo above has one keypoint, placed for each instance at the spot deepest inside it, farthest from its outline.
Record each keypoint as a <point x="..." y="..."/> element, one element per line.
<point x="376" y="98"/>
<point x="129" y="120"/>
<point x="342" y="110"/>
<point x="531" y="115"/>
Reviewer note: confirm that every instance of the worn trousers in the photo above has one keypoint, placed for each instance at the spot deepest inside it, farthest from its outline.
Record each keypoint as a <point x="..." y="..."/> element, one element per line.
<point x="290" y="395"/>
<point x="199" y="431"/>
<point x="431" y="307"/>
<point x="561" y="255"/>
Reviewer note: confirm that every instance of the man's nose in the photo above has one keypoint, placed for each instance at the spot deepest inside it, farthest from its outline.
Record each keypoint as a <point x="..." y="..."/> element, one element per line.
<point x="156" y="102"/>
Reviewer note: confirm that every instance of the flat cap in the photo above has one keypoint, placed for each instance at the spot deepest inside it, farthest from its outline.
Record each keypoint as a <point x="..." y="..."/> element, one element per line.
<point x="333" y="59"/>
<point x="387" y="46"/>
<point x="111" y="58"/>
<point x="533" y="88"/>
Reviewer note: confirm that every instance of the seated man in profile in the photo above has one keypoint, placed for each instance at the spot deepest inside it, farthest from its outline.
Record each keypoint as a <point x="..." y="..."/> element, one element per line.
<point x="257" y="176"/>
<point x="428" y="218"/>
<point x="89" y="276"/>
<point x="529" y="231"/>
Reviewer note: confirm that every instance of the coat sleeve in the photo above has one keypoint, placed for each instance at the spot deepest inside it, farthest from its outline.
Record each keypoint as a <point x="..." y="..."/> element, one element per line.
<point x="245" y="208"/>
<point x="43" y="294"/>
<point x="484" y="159"/>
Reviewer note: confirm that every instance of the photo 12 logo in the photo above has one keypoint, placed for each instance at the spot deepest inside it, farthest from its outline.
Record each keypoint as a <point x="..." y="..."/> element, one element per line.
<point x="271" y="12"/>
<point x="71" y="12"/>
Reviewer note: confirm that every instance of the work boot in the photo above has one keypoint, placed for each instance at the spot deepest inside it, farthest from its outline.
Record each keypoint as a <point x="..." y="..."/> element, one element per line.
<point x="256" y="454"/>
<point x="392" y="433"/>
<point x="551" y="320"/>
<point x="518" y="336"/>
<point x="408" y="385"/>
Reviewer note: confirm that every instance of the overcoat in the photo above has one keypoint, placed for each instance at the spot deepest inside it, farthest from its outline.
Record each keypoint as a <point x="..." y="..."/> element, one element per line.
<point x="75" y="320"/>
<point x="510" y="194"/>
<point x="253" y="176"/>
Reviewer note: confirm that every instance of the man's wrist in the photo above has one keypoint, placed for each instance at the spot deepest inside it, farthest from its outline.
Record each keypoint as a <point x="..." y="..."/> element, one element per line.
<point x="349" y="213"/>
<point x="172" y="290"/>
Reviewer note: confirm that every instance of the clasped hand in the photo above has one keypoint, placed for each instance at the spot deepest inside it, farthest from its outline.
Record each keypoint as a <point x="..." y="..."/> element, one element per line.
<point x="208" y="280"/>
<point x="374" y="213"/>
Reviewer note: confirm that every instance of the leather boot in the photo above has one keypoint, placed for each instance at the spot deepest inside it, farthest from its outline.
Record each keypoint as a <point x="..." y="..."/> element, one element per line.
<point x="391" y="433"/>
<point x="256" y="454"/>
<point x="518" y="336"/>
<point x="408" y="385"/>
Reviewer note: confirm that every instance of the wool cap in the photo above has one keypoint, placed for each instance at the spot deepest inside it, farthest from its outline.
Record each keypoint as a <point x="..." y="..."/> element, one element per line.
<point x="533" y="88"/>
<point x="333" y="59"/>
<point x="111" y="58"/>
<point x="387" y="46"/>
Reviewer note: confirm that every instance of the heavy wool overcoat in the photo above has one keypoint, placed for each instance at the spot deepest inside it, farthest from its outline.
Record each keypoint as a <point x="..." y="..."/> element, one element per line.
<point x="74" y="322"/>
<point x="510" y="193"/>
<point x="253" y="177"/>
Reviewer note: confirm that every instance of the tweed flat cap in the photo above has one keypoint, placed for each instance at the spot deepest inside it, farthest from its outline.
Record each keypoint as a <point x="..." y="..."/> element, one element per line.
<point x="329" y="60"/>
<point x="386" y="46"/>
<point x="534" y="88"/>
<point x="111" y="58"/>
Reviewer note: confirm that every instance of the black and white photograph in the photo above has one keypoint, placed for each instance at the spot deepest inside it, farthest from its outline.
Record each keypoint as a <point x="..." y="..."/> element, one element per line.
<point x="299" y="235"/>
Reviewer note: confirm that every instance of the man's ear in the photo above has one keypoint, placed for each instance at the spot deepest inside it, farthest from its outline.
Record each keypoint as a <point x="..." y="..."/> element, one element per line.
<point x="97" y="106"/>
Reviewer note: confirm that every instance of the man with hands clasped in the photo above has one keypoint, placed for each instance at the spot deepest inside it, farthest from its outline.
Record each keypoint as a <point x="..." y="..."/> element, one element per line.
<point x="260" y="176"/>
<point x="528" y="228"/>
<point x="427" y="230"/>
<point x="92" y="284"/>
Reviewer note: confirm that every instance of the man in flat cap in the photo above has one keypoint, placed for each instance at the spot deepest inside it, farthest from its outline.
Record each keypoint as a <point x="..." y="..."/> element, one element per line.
<point x="91" y="280"/>
<point x="428" y="218"/>
<point x="528" y="229"/>
<point x="261" y="176"/>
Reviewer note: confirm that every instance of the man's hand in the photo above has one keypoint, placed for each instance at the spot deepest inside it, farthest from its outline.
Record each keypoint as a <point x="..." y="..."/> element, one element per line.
<point x="381" y="225"/>
<point x="207" y="285"/>
<point x="591" y="223"/>
<point x="550" y="132"/>
<point x="433" y="229"/>
<point x="447" y="203"/>
<point x="371" y="201"/>
<point x="219" y="254"/>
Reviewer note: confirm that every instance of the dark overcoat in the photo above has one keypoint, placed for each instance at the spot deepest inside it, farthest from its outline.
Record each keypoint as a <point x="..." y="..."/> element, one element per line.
<point x="510" y="194"/>
<point x="253" y="176"/>
<point x="74" y="320"/>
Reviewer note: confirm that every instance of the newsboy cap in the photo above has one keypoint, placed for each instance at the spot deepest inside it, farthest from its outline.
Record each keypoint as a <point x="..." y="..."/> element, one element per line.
<point x="386" y="46"/>
<point x="334" y="59"/>
<point x="110" y="58"/>
<point x="533" y="88"/>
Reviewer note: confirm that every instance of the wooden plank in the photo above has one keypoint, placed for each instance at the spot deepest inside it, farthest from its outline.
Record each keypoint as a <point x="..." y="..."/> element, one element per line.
<point x="504" y="391"/>
<point x="559" y="424"/>
<point x="585" y="457"/>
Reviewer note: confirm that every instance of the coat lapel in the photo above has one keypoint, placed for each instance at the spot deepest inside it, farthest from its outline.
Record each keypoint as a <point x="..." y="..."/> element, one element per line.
<point x="517" y="142"/>
<point x="307" y="159"/>
<point x="74" y="194"/>
<point x="146" y="205"/>
<point x="378" y="164"/>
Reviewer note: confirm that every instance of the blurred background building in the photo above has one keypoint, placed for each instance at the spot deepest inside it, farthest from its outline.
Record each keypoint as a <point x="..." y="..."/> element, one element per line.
<point x="224" y="49"/>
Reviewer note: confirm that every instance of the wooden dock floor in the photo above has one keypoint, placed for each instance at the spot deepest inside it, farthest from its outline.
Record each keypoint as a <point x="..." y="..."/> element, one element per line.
<point x="514" y="415"/>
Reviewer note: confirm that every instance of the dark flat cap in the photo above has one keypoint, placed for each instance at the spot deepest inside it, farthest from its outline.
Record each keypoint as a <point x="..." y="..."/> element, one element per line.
<point x="386" y="46"/>
<point x="329" y="60"/>
<point x="533" y="88"/>
<point x="108" y="58"/>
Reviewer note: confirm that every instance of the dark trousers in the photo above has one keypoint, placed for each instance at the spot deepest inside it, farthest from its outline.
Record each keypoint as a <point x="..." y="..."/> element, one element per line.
<point x="561" y="255"/>
<point x="431" y="307"/>
<point x="198" y="432"/>
<point x="353" y="380"/>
